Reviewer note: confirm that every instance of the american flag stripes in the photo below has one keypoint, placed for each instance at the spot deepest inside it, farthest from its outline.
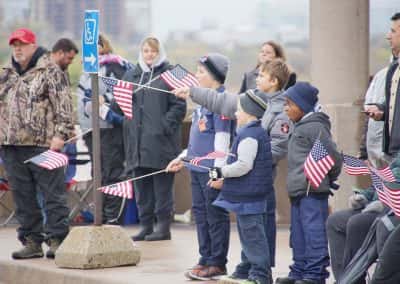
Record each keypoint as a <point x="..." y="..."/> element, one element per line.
<point x="50" y="160"/>
<point x="122" y="92"/>
<point x="389" y="196"/>
<point x="393" y="194"/>
<point x="210" y="156"/>
<point x="317" y="164"/>
<point x="122" y="189"/>
<point x="179" y="77"/>
<point x="385" y="174"/>
<point x="355" y="166"/>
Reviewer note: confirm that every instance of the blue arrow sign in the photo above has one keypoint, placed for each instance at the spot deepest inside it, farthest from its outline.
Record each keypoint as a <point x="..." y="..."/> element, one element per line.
<point x="90" y="37"/>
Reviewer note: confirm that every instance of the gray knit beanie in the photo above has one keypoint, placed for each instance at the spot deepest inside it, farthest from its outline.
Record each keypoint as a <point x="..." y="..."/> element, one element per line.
<point x="253" y="104"/>
<point x="217" y="64"/>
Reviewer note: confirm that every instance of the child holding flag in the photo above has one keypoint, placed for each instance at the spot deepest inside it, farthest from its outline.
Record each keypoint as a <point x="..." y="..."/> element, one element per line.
<point x="247" y="184"/>
<point x="313" y="166"/>
<point x="209" y="132"/>
<point x="272" y="78"/>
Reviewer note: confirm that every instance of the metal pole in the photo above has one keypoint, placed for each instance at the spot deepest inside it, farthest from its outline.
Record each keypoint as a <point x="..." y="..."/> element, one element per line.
<point x="96" y="163"/>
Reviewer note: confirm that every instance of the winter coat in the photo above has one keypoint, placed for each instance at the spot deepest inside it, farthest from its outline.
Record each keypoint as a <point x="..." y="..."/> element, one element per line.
<point x="35" y="105"/>
<point x="376" y="94"/>
<point x="391" y="138"/>
<point x="301" y="140"/>
<point x="157" y="117"/>
<point x="249" y="80"/>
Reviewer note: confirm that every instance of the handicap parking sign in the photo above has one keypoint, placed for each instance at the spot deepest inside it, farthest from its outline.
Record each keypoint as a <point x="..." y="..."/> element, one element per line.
<point x="90" y="38"/>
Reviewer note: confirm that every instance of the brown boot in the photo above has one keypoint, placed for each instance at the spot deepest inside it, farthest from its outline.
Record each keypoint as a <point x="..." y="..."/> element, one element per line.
<point x="31" y="249"/>
<point x="53" y="244"/>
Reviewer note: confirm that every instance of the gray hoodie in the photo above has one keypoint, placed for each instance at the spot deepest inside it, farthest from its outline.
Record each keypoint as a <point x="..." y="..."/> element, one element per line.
<point x="301" y="140"/>
<point x="275" y="121"/>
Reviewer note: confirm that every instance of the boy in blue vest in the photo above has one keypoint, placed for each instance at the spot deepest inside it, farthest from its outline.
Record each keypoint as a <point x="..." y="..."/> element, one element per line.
<point x="209" y="132"/>
<point x="272" y="78"/>
<point x="245" y="183"/>
<point x="309" y="206"/>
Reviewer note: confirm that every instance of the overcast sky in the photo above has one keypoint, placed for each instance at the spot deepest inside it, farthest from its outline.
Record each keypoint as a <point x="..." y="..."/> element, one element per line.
<point x="190" y="14"/>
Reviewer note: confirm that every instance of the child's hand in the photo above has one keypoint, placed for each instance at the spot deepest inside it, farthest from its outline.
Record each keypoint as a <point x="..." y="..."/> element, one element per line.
<point x="215" y="173"/>
<point x="182" y="93"/>
<point x="174" y="166"/>
<point x="216" y="184"/>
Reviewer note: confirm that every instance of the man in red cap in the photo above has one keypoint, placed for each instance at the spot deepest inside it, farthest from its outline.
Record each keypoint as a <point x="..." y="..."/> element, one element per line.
<point x="35" y="115"/>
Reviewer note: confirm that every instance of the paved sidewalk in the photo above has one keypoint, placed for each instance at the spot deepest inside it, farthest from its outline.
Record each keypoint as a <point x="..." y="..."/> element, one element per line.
<point x="162" y="262"/>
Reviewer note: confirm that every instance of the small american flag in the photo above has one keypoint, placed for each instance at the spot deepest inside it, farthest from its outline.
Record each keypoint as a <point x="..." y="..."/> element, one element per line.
<point x="393" y="194"/>
<point x="390" y="196"/>
<point x="122" y="189"/>
<point x="354" y="166"/>
<point x="50" y="160"/>
<point x="210" y="156"/>
<point x="317" y="164"/>
<point x="122" y="92"/>
<point x="179" y="77"/>
<point x="385" y="174"/>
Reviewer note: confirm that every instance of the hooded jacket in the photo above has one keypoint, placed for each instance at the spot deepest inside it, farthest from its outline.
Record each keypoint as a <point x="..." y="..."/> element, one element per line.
<point x="35" y="104"/>
<point x="155" y="134"/>
<point x="305" y="132"/>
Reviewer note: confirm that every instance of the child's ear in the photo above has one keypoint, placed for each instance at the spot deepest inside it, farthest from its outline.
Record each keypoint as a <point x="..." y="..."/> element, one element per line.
<point x="275" y="82"/>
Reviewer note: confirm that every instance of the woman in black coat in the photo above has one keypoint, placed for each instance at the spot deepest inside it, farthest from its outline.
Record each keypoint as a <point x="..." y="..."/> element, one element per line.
<point x="269" y="50"/>
<point x="155" y="140"/>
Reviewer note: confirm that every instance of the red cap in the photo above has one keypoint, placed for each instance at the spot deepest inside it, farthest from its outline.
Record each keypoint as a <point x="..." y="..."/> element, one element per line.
<point x="24" y="35"/>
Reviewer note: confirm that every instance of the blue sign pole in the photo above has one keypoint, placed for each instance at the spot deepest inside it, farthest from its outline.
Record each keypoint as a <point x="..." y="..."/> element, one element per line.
<point x="90" y="38"/>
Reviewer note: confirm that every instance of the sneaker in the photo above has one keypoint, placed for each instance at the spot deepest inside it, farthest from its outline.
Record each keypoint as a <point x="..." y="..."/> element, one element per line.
<point x="285" y="280"/>
<point x="53" y="244"/>
<point x="208" y="273"/>
<point x="231" y="279"/>
<point x="250" y="281"/>
<point x="31" y="249"/>
<point x="193" y="270"/>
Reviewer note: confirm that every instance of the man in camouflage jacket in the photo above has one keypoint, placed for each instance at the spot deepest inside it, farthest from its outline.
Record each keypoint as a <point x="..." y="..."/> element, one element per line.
<point x="35" y="115"/>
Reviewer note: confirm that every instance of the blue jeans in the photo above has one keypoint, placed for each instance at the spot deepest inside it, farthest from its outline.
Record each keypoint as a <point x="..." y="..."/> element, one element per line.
<point x="270" y="225"/>
<point x="212" y="222"/>
<point x="255" y="259"/>
<point x="308" y="239"/>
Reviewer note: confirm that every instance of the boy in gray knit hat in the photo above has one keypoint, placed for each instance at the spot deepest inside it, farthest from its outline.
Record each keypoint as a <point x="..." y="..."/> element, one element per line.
<point x="246" y="183"/>
<point x="209" y="132"/>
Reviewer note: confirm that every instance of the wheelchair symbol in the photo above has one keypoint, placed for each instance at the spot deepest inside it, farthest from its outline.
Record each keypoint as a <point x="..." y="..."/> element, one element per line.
<point x="90" y="27"/>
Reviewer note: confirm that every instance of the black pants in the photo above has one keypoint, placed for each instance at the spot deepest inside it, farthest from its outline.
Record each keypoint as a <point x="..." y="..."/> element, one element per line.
<point x="154" y="196"/>
<point x="387" y="271"/>
<point x="112" y="166"/>
<point x="26" y="180"/>
<point x="346" y="230"/>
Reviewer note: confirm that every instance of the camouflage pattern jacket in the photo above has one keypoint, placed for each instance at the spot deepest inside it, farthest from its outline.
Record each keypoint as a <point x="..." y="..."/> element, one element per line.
<point x="34" y="106"/>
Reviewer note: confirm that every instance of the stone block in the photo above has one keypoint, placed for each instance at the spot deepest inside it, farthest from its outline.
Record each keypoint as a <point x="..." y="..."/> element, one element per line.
<point x="97" y="247"/>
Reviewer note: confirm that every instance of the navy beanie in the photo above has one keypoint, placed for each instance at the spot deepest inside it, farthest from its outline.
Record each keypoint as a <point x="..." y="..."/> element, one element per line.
<point x="217" y="64"/>
<point x="304" y="95"/>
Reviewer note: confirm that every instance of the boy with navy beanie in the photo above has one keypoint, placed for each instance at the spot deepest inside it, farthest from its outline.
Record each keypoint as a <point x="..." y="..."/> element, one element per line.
<point x="245" y="183"/>
<point x="309" y="206"/>
<point x="209" y="132"/>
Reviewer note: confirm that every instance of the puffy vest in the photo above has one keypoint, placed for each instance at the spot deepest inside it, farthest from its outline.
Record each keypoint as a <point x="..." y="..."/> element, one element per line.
<point x="254" y="185"/>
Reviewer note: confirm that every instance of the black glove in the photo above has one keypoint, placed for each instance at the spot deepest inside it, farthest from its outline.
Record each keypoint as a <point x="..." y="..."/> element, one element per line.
<point x="334" y="185"/>
<point x="215" y="173"/>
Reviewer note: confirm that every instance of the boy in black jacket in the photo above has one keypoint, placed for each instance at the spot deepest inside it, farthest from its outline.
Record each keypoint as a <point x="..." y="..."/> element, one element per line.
<point x="309" y="206"/>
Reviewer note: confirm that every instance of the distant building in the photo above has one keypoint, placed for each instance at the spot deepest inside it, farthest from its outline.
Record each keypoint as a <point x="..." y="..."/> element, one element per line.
<point x="65" y="17"/>
<point x="13" y="11"/>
